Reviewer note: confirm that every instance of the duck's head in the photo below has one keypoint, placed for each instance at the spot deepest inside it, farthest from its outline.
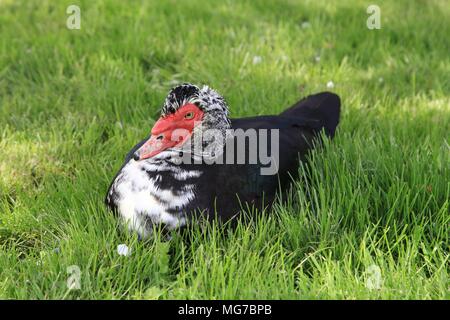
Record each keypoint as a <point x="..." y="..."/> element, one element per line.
<point x="192" y="118"/>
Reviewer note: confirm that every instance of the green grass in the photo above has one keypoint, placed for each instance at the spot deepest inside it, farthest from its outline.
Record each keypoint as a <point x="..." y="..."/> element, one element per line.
<point x="73" y="102"/>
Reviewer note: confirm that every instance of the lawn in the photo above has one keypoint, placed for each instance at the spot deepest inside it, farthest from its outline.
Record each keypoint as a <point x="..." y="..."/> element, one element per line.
<point x="370" y="218"/>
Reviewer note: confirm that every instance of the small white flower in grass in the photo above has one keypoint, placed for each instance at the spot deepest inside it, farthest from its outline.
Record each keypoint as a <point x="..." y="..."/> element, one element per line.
<point x="257" y="59"/>
<point x="330" y="84"/>
<point x="317" y="58"/>
<point x="374" y="280"/>
<point x="123" y="250"/>
<point x="284" y="58"/>
<point x="306" y="25"/>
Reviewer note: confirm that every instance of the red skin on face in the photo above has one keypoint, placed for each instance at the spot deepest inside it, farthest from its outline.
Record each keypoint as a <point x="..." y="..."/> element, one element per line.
<point x="172" y="130"/>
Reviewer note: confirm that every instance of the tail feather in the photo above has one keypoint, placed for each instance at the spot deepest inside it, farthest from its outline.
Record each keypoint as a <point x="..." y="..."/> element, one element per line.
<point x="323" y="109"/>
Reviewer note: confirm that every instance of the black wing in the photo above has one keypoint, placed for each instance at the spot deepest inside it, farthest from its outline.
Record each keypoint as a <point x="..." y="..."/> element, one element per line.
<point x="299" y="127"/>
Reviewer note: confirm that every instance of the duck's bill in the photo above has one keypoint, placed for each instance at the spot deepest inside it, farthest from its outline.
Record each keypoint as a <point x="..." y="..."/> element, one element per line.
<point x="166" y="133"/>
<point x="152" y="147"/>
<point x="161" y="142"/>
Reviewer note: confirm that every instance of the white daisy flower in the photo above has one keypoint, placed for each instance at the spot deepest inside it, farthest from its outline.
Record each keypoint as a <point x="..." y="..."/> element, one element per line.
<point x="257" y="59"/>
<point x="306" y="25"/>
<point x="123" y="250"/>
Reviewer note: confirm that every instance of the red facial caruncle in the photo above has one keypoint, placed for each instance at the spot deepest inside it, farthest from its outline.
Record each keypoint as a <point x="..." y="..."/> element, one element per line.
<point x="170" y="131"/>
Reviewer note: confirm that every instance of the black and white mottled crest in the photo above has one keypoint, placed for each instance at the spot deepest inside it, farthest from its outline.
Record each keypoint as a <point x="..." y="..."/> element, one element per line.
<point x="207" y="99"/>
<point x="215" y="125"/>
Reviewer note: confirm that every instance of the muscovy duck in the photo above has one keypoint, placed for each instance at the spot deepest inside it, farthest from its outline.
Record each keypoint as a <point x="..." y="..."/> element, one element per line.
<point x="197" y="159"/>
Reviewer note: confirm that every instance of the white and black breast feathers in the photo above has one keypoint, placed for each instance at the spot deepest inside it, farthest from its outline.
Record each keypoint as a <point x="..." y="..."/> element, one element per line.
<point x="152" y="193"/>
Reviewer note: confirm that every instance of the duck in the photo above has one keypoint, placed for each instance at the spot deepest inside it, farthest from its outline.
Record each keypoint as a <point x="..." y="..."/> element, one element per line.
<point x="197" y="161"/>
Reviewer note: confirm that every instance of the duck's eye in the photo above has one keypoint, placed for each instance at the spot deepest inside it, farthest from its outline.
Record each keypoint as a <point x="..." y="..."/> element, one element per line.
<point x="189" y="115"/>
